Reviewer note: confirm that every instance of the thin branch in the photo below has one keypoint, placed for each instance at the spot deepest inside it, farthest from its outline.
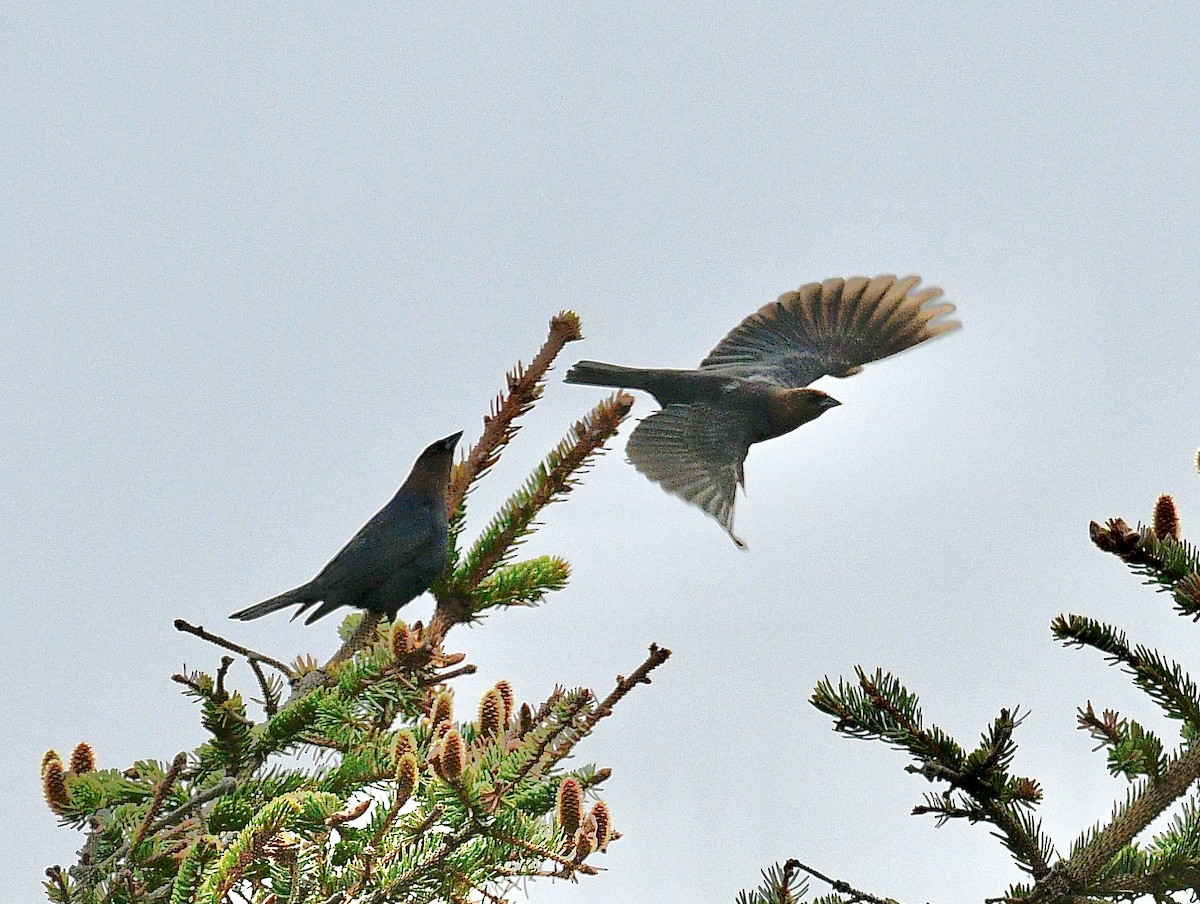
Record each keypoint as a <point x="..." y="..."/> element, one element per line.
<point x="842" y="888"/>
<point x="270" y="700"/>
<point x="468" y="669"/>
<point x="641" y="675"/>
<point x="160" y="791"/>
<point x="524" y="388"/>
<point x="194" y="803"/>
<point x="252" y="655"/>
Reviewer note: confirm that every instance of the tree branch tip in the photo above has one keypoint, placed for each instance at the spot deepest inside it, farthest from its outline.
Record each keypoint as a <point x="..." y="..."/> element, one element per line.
<point x="567" y="322"/>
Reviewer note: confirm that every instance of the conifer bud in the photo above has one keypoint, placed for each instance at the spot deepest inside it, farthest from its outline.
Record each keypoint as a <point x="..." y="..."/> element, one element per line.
<point x="83" y="759"/>
<point x="585" y="843"/>
<point x="54" y="782"/>
<point x="568" y="808"/>
<point x="400" y="642"/>
<point x="603" y="822"/>
<point x="401" y="744"/>
<point x="491" y="714"/>
<point x="524" y="720"/>
<point x="454" y="755"/>
<point x="406" y="778"/>
<point x="47" y="758"/>
<point x="442" y="710"/>
<point x="509" y="698"/>
<point x="1166" y="517"/>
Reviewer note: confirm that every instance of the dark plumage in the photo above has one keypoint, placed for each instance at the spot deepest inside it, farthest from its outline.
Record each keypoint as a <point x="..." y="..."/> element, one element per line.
<point x="752" y="386"/>
<point x="393" y="558"/>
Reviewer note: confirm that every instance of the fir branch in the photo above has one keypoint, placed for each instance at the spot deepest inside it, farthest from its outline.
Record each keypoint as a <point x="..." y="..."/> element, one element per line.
<point x="359" y="638"/>
<point x="288" y="810"/>
<point x="551" y="481"/>
<point x="525" y="387"/>
<point x="641" y="675"/>
<point x="194" y="803"/>
<point x="1163" y="559"/>
<point x="1163" y="681"/>
<point x="246" y="652"/>
<point x="522" y="583"/>
<point x="781" y="885"/>
<point x="533" y="759"/>
<point x="160" y="791"/>
<point x="568" y="865"/>
<point x="1138" y="812"/>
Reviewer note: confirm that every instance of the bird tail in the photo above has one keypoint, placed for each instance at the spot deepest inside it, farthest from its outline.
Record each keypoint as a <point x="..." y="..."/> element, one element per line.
<point x="597" y="373"/>
<point x="300" y="596"/>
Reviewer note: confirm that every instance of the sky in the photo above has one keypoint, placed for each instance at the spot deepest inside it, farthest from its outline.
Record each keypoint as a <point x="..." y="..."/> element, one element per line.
<point x="256" y="257"/>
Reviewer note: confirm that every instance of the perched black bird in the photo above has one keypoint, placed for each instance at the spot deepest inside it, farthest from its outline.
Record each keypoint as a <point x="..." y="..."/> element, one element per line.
<point x="393" y="558"/>
<point x="751" y="387"/>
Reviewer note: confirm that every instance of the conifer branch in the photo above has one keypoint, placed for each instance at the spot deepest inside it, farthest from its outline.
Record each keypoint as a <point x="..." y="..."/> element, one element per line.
<point x="160" y="791"/>
<point x="552" y="480"/>
<point x="641" y="675"/>
<point x="198" y="631"/>
<point x="369" y="821"/>
<point x="359" y="638"/>
<point x="194" y="803"/>
<point x="525" y="387"/>
<point x="1132" y="818"/>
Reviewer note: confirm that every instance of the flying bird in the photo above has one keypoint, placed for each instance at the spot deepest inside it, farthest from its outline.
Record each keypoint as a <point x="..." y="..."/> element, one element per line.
<point x="753" y="386"/>
<point x="393" y="558"/>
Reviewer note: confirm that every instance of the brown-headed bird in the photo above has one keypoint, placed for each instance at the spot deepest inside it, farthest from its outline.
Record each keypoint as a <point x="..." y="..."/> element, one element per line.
<point x="393" y="558"/>
<point x="752" y="386"/>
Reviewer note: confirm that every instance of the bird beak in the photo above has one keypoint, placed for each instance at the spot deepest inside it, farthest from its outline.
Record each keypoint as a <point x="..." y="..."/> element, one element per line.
<point x="450" y="441"/>
<point x="830" y="402"/>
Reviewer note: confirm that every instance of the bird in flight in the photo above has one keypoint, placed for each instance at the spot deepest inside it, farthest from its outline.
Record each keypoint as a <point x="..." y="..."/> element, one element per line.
<point x="394" y="557"/>
<point x="753" y="386"/>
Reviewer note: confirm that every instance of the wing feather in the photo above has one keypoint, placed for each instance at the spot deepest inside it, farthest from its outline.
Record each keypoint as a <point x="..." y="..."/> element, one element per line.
<point x="694" y="452"/>
<point x="831" y="328"/>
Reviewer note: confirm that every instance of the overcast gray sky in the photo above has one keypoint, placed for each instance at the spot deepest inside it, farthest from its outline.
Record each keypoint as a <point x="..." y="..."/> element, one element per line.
<point x="256" y="257"/>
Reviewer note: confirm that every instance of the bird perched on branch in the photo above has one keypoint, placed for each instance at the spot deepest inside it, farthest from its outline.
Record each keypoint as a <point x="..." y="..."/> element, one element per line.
<point x="394" y="557"/>
<point x="752" y="386"/>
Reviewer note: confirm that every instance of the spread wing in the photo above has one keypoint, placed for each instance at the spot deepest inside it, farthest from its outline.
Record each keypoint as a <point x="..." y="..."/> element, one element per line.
<point x="832" y="328"/>
<point x="694" y="452"/>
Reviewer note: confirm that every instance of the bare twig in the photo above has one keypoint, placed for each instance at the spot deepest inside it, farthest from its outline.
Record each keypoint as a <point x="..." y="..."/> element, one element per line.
<point x="842" y="888"/>
<point x="641" y="675"/>
<point x="252" y="655"/>
<point x="468" y="669"/>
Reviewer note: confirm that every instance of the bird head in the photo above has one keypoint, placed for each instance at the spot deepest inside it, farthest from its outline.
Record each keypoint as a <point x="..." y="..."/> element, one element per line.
<point x="799" y="406"/>
<point x="432" y="468"/>
<point x="446" y="444"/>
